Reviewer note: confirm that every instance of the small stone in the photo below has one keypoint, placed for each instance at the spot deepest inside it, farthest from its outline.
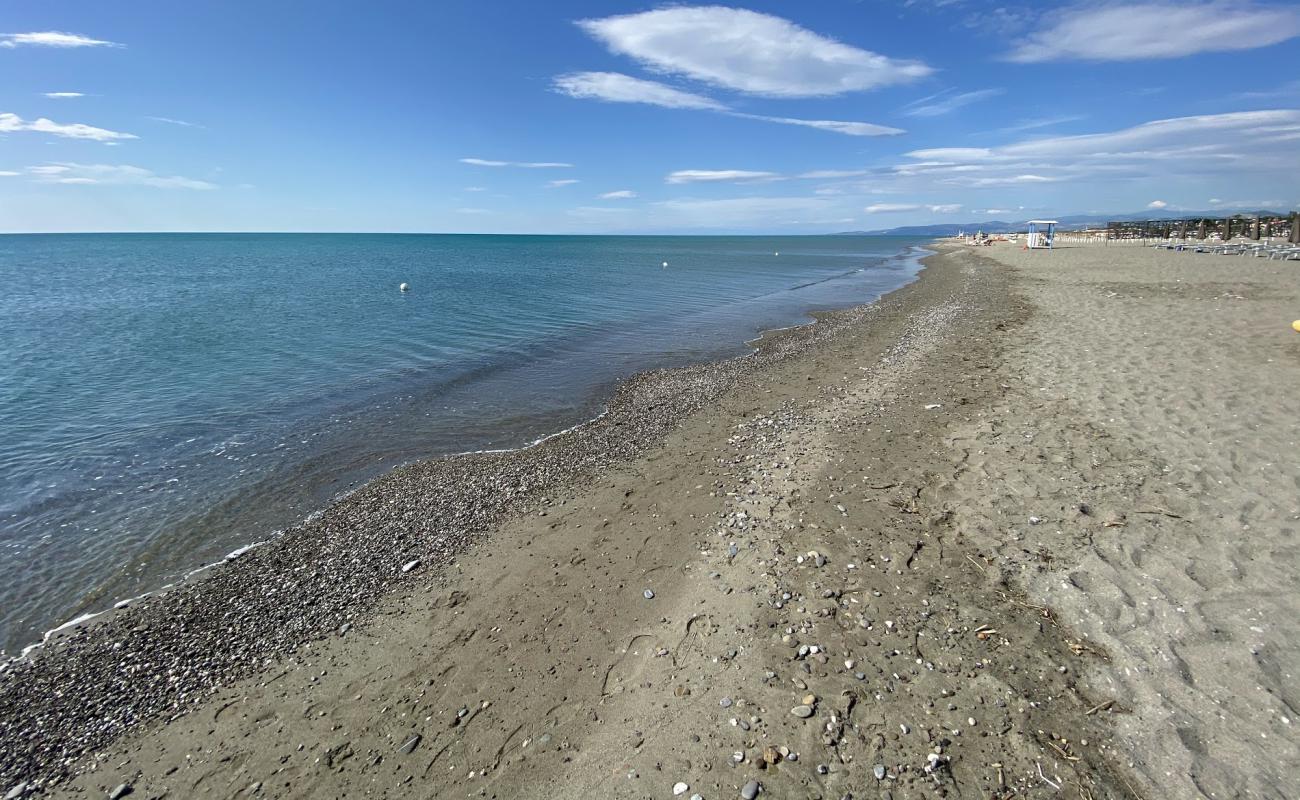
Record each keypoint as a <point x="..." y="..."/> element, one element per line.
<point x="679" y="788"/>
<point x="750" y="790"/>
<point x="121" y="790"/>
<point x="879" y="771"/>
<point x="803" y="712"/>
<point x="725" y="702"/>
<point x="649" y="595"/>
<point x="409" y="745"/>
<point x="810" y="699"/>
<point x="772" y="754"/>
<point x="410" y="565"/>
<point x="903" y="727"/>
<point x="16" y="792"/>
<point x="1035" y="520"/>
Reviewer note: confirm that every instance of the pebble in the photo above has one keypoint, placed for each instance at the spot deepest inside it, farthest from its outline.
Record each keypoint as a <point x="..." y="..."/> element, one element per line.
<point x="649" y="595"/>
<point x="679" y="788"/>
<point x="879" y="771"/>
<point x="410" y="565"/>
<point x="725" y="702"/>
<point x="750" y="790"/>
<point x="803" y="712"/>
<point x="121" y="790"/>
<point x="16" y="792"/>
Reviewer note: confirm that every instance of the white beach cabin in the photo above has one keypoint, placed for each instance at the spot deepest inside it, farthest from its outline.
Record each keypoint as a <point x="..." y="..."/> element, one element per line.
<point x="1041" y="233"/>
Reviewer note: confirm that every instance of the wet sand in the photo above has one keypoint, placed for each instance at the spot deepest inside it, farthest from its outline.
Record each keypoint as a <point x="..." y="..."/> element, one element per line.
<point x="1022" y="528"/>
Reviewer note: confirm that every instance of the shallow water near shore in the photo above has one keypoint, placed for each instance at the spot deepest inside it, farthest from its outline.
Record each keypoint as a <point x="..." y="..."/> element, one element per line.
<point x="167" y="398"/>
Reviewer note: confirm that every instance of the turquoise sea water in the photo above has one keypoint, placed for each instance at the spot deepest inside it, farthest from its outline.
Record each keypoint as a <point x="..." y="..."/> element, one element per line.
<point x="166" y="398"/>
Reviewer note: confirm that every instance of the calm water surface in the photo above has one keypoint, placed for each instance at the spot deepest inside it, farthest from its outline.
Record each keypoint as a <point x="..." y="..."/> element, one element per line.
<point x="166" y="398"/>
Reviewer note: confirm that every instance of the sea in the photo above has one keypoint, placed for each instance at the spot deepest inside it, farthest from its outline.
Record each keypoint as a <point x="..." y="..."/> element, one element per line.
<point x="168" y="398"/>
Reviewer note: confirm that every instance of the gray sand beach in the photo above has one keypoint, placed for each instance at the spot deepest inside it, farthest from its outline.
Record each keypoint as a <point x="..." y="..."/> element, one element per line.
<point x="1024" y="528"/>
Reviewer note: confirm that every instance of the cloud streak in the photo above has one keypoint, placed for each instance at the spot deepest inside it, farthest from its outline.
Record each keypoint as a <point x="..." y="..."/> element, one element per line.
<point x="62" y="95"/>
<point x="1139" y="31"/>
<point x="721" y="176"/>
<point x="937" y="105"/>
<point x="615" y="87"/>
<point x="749" y="52"/>
<point x="485" y="162"/>
<point x="70" y="173"/>
<point x="52" y="39"/>
<point x="12" y="123"/>
<point x="621" y="194"/>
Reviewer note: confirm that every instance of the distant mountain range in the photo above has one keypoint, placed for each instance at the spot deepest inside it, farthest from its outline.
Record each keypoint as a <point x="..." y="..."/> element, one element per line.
<point x="1074" y="221"/>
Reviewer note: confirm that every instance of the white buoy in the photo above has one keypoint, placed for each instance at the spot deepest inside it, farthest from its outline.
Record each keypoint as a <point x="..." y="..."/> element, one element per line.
<point x="776" y="254"/>
<point x="405" y="287"/>
<point x="665" y="265"/>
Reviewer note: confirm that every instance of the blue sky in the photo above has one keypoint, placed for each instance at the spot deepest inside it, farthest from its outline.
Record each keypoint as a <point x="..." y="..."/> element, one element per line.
<point x="579" y="117"/>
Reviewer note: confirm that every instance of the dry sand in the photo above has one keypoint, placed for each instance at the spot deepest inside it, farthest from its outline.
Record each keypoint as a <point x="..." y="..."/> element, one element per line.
<point x="1024" y="529"/>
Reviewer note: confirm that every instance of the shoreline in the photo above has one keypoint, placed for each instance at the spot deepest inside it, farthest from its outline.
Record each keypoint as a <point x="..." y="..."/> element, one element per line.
<point x="1021" y="528"/>
<point x="82" y="617"/>
<point x="86" y="640"/>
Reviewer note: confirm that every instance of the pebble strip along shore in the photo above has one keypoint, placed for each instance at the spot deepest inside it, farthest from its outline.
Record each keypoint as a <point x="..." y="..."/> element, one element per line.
<point x="164" y="655"/>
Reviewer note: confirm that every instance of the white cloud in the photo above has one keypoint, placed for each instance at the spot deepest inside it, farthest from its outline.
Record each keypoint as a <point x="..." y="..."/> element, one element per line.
<point x="720" y="176"/>
<point x="12" y="123"/>
<point x="1169" y="29"/>
<point x="52" y="39"/>
<point x="835" y="126"/>
<point x="946" y="102"/>
<point x="182" y="123"/>
<point x="8" y="173"/>
<point x="476" y="188"/>
<point x="62" y="95"/>
<point x="118" y="174"/>
<point x="748" y="52"/>
<point x="891" y="208"/>
<point x="1010" y="180"/>
<point x="946" y="208"/>
<point x="1262" y="141"/>
<point x="615" y="87"/>
<point x="472" y="211"/>
<point x="562" y="182"/>
<point x="1157" y="204"/>
<point x="621" y="194"/>
<point x="484" y="162"/>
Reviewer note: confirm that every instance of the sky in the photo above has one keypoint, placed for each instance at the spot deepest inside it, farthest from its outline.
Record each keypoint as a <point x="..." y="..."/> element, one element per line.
<point x="627" y="117"/>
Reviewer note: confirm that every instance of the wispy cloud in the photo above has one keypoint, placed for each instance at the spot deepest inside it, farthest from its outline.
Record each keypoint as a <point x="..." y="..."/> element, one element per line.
<point x="615" y="87"/>
<point x="1157" y="204"/>
<point x="473" y="211"/>
<point x="621" y="194"/>
<point x="5" y="173"/>
<point x="748" y="52"/>
<point x="485" y="162"/>
<point x="1135" y="31"/>
<point x="62" y="95"/>
<point x="562" y="182"/>
<point x="946" y="102"/>
<point x="720" y="176"/>
<point x="118" y="174"/>
<point x="1041" y="122"/>
<point x="898" y="208"/>
<point x="182" y="123"/>
<point x="835" y="126"/>
<point x="12" y="123"/>
<point x="52" y="39"/>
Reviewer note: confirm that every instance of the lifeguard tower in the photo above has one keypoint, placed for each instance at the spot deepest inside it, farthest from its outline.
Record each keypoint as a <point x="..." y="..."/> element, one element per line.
<point x="1041" y="234"/>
